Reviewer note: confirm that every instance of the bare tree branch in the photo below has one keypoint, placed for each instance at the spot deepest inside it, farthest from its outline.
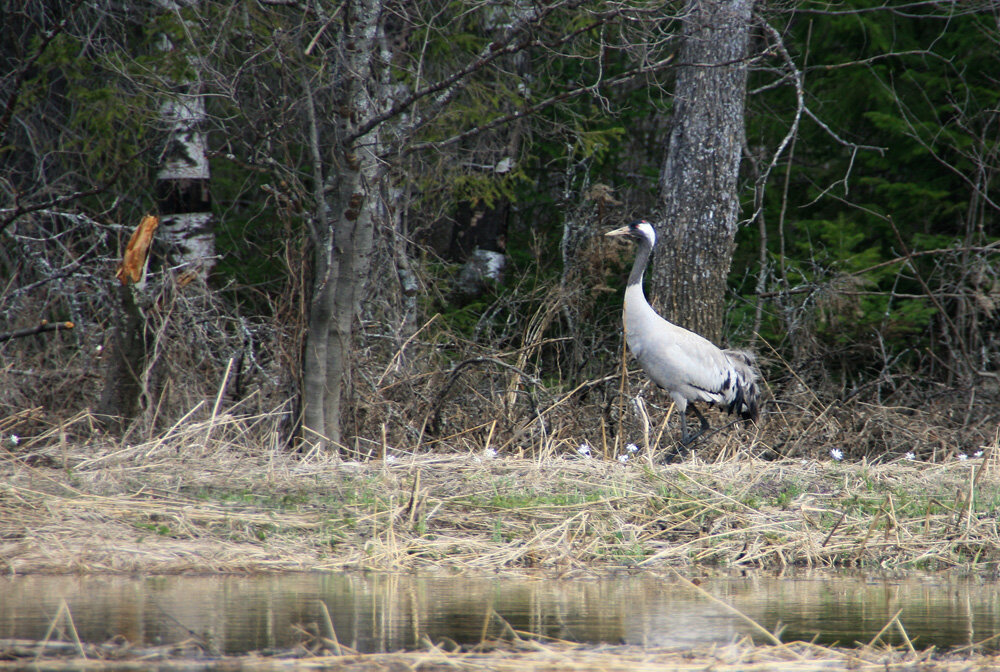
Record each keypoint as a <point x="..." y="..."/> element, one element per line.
<point x="966" y="8"/>
<point x="505" y="46"/>
<point x="9" y="215"/>
<point x="993" y="248"/>
<point x="796" y="76"/>
<point x="39" y="328"/>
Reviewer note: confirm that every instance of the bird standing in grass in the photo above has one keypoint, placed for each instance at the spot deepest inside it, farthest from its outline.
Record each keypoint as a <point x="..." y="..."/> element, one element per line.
<point x="686" y="365"/>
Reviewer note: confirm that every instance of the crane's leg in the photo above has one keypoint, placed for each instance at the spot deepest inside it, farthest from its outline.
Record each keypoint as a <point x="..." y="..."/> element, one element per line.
<point x="686" y="438"/>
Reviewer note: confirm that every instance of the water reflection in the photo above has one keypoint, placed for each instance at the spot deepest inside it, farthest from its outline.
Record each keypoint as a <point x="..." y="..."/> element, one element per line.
<point x="391" y="612"/>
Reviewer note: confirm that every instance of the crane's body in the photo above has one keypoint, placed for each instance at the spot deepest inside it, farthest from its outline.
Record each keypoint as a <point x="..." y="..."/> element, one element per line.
<point x="688" y="366"/>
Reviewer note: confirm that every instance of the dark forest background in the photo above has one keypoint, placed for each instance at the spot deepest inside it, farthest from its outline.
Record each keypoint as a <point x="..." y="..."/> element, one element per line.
<point x="865" y="273"/>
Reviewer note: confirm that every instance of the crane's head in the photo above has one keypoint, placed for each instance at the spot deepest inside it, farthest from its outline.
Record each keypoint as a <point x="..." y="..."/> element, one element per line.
<point x="640" y="229"/>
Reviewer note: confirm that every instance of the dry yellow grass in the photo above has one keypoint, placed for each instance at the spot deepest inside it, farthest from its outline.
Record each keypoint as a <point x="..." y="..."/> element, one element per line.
<point x="203" y="497"/>
<point x="219" y="495"/>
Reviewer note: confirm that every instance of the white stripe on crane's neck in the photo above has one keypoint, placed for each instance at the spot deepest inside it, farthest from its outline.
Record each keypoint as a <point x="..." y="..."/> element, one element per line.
<point x="642" y="255"/>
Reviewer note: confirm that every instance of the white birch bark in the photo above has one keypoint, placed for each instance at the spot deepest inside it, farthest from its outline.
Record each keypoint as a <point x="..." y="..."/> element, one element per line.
<point x="186" y="222"/>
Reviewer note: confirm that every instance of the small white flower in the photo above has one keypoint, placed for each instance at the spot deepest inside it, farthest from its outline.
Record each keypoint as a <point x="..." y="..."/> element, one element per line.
<point x="623" y="458"/>
<point x="632" y="448"/>
<point x="962" y="457"/>
<point x="584" y="450"/>
<point x="490" y="452"/>
<point x="837" y="454"/>
<point x="390" y="459"/>
<point x="910" y="456"/>
<point x="15" y="439"/>
<point x="978" y="453"/>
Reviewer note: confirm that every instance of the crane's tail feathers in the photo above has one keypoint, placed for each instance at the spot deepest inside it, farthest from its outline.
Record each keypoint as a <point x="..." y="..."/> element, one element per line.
<point x="746" y="400"/>
<point x="744" y="357"/>
<point x="746" y="403"/>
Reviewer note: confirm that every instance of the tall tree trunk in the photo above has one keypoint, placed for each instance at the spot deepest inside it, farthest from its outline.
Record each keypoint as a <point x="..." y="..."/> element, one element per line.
<point x="344" y="233"/>
<point x="698" y="198"/>
<point x="344" y="266"/>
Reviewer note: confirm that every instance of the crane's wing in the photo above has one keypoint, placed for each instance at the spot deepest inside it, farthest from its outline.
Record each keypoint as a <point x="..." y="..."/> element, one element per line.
<point x="677" y="359"/>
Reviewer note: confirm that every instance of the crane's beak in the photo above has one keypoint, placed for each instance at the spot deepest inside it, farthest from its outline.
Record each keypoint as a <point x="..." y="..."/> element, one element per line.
<point x="623" y="231"/>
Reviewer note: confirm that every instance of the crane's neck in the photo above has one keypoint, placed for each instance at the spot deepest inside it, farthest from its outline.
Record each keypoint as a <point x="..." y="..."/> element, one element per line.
<point x="639" y="265"/>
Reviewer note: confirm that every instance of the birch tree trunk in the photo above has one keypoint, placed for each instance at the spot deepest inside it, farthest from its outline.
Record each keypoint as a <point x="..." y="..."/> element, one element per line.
<point x="185" y="226"/>
<point x="182" y="182"/>
<point x="698" y="183"/>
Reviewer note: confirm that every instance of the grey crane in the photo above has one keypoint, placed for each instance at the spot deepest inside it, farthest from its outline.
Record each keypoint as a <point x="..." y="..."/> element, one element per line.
<point x="689" y="367"/>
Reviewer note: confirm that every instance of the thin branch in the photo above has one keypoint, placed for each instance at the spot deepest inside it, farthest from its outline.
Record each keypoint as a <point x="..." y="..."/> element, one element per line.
<point x="808" y="289"/>
<point x="800" y="106"/>
<point x="9" y="215"/>
<point x="833" y="134"/>
<point x="970" y="8"/>
<point x="39" y="328"/>
<point x="800" y="109"/>
<point x="934" y="299"/>
<point x="453" y="378"/>
<point x="914" y="133"/>
<point x="876" y="58"/>
<point x="449" y="86"/>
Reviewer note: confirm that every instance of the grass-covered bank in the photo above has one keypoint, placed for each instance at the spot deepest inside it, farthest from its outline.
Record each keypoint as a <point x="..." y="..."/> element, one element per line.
<point x="198" y="500"/>
<point x="204" y="499"/>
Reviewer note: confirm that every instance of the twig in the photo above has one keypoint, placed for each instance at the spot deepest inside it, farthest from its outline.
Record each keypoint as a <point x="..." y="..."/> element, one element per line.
<point x="218" y="401"/>
<point x="932" y="296"/>
<point x="453" y="378"/>
<point x="399" y="352"/>
<point x="529" y="110"/>
<point x="730" y="608"/>
<point x="868" y="534"/>
<point x="621" y="394"/>
<point x="902" y="632"/>
<point x="63" y="612"/>
<point x="330" y="629"/>
<point x="884" y="628"/>
<point x="39" y="328"/>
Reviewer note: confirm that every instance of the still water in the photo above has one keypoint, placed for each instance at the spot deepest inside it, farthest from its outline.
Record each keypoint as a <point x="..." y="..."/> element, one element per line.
<point x="372" y="613"/>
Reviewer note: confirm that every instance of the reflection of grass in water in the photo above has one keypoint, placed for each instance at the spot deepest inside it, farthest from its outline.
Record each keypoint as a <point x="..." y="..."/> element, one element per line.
<point x="511" y="649"/>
